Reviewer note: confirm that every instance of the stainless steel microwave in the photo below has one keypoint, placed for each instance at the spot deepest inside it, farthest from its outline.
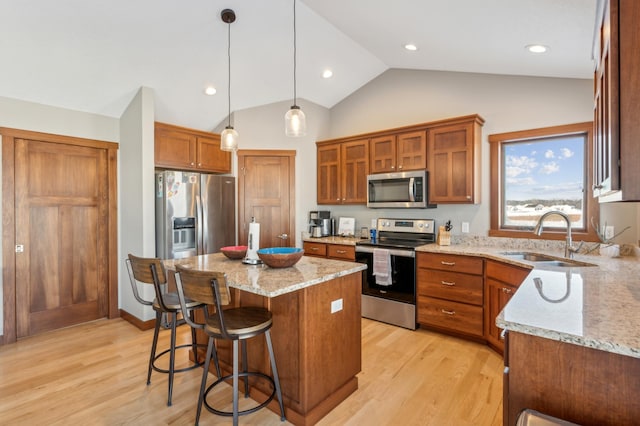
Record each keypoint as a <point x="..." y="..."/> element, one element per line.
<point x="398" y="190"/>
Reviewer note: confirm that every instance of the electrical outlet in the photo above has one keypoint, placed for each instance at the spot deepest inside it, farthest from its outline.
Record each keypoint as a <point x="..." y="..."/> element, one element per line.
<point x="609" y="232"/>
<point x="465" y="227"/>
<point x="336" y="305"/>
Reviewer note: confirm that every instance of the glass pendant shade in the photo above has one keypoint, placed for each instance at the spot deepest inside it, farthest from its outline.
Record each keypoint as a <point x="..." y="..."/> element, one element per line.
<point x="295" y="123"/>
<point x="229" y="139"/>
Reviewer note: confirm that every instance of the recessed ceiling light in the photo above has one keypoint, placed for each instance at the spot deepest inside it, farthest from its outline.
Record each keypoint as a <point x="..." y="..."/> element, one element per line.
<point x="327" y="74"/>
<point x="536" y="48"/>
<point x="411" y="47"/>
<point x="210" y="90"/>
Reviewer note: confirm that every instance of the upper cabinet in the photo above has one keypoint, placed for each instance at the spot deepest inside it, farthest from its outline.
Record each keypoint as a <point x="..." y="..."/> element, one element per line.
<point x="449" y="149"/>
<point x="186" y="149"/>
<point x="617" y="102"/>
<point x="454" y="161"/>
<point x="342" y="172"/>
<point x="398" y="152"/>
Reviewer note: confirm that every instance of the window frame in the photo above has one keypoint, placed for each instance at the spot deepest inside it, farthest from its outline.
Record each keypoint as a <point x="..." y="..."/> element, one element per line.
<point x="591" y="208"/>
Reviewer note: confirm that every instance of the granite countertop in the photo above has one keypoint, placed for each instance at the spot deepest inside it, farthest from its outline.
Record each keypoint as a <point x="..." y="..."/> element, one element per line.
<point x="336" y="239"/>
<point x="271" y="282"/>
<point x="595" y="306"/>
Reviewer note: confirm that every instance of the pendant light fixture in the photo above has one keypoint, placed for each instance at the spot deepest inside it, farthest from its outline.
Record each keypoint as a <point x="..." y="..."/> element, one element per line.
<point x="229" y="136"/>
<point x="295" y="123"/>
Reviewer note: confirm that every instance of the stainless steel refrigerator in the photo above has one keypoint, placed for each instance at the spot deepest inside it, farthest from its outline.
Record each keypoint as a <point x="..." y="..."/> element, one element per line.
<point x="195" y="213"/>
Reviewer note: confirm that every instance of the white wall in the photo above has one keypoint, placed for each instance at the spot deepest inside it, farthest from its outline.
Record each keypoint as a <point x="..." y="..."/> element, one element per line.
<point x="136" y="212"/>
<point x="263" y="128"/>
<point x="24" y="115"/>
<point x="507" y="103"/>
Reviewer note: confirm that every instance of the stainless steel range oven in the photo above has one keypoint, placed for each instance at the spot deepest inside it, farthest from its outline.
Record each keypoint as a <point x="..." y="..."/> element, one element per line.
<point x="393" y="299"/>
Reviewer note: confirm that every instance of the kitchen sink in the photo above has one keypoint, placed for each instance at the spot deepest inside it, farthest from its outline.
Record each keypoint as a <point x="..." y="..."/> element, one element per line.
<point x="544" y="259"/>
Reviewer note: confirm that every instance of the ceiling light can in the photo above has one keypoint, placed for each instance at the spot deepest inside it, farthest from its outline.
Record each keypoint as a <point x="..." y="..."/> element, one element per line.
<point x="536" y="48"/>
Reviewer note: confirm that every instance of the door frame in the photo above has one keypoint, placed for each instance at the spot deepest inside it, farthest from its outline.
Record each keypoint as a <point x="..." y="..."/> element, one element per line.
<point x="9" y="137"/>
<point x="291" y="154"/>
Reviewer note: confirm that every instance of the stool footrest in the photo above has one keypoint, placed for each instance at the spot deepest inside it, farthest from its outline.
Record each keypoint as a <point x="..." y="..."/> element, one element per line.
<point x="240" y="375"/>
<point x="166" y="351"/>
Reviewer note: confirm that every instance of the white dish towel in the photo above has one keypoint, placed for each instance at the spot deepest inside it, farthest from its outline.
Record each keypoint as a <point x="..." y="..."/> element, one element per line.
<point x="382" y="266"/>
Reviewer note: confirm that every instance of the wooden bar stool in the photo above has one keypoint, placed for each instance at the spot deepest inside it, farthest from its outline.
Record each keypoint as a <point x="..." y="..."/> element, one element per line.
<point x="150" y="271"/>
<point x="235" y="324"/>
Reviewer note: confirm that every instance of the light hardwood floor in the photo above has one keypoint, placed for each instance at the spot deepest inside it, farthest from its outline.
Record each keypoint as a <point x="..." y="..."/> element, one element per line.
<point x="95" y="374"/>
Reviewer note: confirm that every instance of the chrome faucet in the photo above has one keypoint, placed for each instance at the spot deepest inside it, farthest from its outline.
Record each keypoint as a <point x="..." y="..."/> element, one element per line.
<point x="568" y="247"/>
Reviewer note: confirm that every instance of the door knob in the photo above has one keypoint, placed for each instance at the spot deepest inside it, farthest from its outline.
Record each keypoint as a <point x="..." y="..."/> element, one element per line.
<point x="283" y="236"/>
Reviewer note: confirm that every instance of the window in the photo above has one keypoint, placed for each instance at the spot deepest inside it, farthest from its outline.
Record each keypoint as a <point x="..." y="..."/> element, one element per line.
<point x="541" y="170"/>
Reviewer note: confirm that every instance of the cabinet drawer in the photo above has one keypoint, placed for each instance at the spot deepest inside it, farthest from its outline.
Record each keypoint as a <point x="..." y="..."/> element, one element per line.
<point x="341" y="252"/>
<point x="451" y="262"/>
<point x="453" y="316"/>
<point x="454" y="286"/>
<point x="315" y="249"/>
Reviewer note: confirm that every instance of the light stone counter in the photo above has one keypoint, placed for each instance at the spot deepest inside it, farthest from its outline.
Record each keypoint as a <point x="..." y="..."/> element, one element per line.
<point x="271" y="282"/>
<point x="348" y="241"/>
<point x="594" y="306"/>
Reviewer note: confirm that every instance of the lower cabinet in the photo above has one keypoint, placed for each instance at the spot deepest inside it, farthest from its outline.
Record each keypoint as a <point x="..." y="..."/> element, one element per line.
<point x="583" y="385"/>
<point x="331" y="251"/>
<point x="501" y="282"/>
<point x="450" y="293"/>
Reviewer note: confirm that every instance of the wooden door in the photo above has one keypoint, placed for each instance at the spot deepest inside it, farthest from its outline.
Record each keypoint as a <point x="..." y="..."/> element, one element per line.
<point x="266" y="188"/>
<point x="451" y="164"/>
<point x="411" y="151"/>
<point x="383" y="154"/>
<point x="329" y="174"/>
<point x="60" y="231"/>
<point x="355" y="166"/>
<point x="210" y="157"/>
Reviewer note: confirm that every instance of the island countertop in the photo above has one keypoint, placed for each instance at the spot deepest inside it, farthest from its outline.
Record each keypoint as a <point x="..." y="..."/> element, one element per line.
<point x="593" y="306"/>
<point x="266" y="281"/>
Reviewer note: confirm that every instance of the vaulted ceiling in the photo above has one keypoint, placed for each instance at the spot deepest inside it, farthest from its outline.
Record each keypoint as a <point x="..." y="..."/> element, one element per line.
<point x="94" y="55"/>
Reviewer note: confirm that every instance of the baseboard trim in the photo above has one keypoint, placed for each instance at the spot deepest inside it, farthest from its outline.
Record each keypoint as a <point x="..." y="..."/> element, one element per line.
<point x="142" y="325"/>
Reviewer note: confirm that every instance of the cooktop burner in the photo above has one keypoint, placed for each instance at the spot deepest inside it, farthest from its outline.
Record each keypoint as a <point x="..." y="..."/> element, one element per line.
<point x="402" y="233"/>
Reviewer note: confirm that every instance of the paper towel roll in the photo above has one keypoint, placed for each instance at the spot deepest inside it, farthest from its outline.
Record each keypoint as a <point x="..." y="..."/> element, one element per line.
<point x="254" y="240"/>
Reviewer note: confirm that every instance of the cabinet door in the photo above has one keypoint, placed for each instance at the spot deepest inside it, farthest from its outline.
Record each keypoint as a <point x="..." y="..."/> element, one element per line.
<point x="174" y="148"/>
<point x="411" y="151"/>
<point x="210" y="157"/>
<point x="606" y="106"/>
<point x="329" y="174"/>
<point x="501" y="283"/>
<point x="451" y="164"/>
<point x="355" y="168"/>
<point x="383" y="154"/>
<point x="497" y="296"/>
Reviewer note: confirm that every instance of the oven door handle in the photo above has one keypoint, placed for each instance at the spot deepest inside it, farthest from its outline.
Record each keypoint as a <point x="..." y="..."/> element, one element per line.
<point x="392" y="252"/>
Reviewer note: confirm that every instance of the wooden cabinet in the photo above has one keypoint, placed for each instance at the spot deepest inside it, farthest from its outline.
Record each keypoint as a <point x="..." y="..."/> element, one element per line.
<point x="501" y="282"/>
<point x="617" y="102"/>
<point x="398" y="152"/>
<point x="342" y="172"/>
<point x="331" y="251"/>
<point x="579" y="384"/>
<point x="454" y="162"/>
<point x="450" y="293"/>
<point x="186" y="149"/>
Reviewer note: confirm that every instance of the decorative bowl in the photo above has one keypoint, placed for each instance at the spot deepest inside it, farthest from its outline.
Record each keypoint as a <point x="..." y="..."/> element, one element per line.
<point x="280" y="257"/>
<point x="234" y="252"/>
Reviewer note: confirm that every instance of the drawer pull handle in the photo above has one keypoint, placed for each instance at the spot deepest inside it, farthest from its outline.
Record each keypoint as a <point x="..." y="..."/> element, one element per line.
<point x="448" y="263"/>
<point x="314" y="248"/>
<point x="341" y="251"/>
<point x="506" y="290"/>
<point x="447" y="283"/>
<point x="444" y="311"/>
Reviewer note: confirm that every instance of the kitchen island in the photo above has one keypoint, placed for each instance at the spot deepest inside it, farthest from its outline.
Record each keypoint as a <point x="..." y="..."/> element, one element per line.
<point x="572" y="336"/>
<point x="316" y="328"/>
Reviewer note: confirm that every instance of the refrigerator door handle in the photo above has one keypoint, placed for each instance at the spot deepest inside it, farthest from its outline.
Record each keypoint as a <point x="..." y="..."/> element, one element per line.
<point x="199" y="230"/>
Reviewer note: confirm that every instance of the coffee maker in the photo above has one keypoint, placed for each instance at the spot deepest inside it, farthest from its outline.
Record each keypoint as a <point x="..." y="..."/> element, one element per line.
<point x="320" y="223"/>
